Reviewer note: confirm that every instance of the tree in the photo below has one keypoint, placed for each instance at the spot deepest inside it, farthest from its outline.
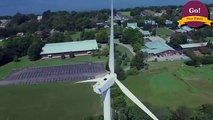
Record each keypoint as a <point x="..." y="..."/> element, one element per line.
<point x="35" y="50"/>
<point x="135" y="113"/>
<point x="121" y="75"/>
<point x="132" y="36"/>
<point x="71" y="55"/>
<point x="102" y="36"/>
<point x="136" y="47"/>
<point x="86" y="35"/>
<point x="139" y="60"/>
<point x="209" y="45"/>
<point x="182" y="113"/>
<point x="154" y="32"/>
<point x="177" y="39"/>
<point x="56" y="37"/>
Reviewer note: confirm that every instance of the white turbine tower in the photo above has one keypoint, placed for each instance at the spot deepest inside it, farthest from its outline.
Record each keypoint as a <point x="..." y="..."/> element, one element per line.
<point x="102" y="85"/>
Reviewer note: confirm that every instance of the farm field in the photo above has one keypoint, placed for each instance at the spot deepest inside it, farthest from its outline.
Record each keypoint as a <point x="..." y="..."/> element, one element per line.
<point x="64" y="101"/>
<point x="25" y="63"/>
<point x="163" y="32"/>
<point x="173" y="84"/>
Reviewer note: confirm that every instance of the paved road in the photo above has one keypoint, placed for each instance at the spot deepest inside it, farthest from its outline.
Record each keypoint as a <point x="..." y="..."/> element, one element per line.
<point x="128" y="47"/>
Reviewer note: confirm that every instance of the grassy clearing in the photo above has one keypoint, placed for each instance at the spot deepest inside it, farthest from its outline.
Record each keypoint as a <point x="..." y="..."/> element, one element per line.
<point x="24" y="63"/>
<point x="163" y="32"/>
<point x="124" y="50"/>
<point x="209" y="39"/>
<point x="64" y="101"/>
<point x="169" y="83"/>
<point x="1" y="43"/>
<point x="76" y="36"/>
<point x="126" y="13"/>
<point x="173" y="84"/>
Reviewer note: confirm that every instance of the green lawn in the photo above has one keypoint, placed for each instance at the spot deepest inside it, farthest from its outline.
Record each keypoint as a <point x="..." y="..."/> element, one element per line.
<point x="90" y="29"/>
<point x="64" y="101"/>
<point x="170" y="83"/>
<point x="61" y="101"/>
<point x="1" y="43"/>
<point x="124" y="50"/>
<point x="76" y="36"/>
<point x="163" y="32"/>
<point x="24" y="63"/>
<point x="209" y="39"/>
<point x="173" y="84"/>
<point x="126" y="13"/>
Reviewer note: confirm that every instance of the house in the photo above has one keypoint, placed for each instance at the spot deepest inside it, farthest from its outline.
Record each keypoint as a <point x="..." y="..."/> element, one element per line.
<point x="146" y="13"/>
<point x="193" y="46"/>
<point x="158" y="14"/>
<point x="158" y="50"/>
<point x="168" y="22"/>
<point x="120" y="17"/>
<point x="145" y="33"/>
<point x="132" y="25"/>
<point x="78" y="48"/>
<point x="39" y="18"/>
<point x="4" y="22"/>
<point x="156" y="38"/>
<point x="100" y="25"/>
<point x="152" y="22"/>
<point x="20" y="34"/>
<point x="184" y="29"/>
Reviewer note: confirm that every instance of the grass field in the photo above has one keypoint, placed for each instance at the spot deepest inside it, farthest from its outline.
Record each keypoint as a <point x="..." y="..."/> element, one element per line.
<point x="124" y="50"/>
<point x="209" y="38"/>
<point x="1" y="43"/>
<point x="127" y="14"/>
<point x="76" y="36"/>
<point x="62" y="101"/>
<point x="163" y="32"/>
<point x="24" y="63"/>
<point x="49" y="102"/>
<point x="173" y="84"/>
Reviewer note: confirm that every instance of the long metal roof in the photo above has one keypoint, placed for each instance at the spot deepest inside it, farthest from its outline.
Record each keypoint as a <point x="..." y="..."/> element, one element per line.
<point x="156" y="47"/>
<point x="63" y="47"/>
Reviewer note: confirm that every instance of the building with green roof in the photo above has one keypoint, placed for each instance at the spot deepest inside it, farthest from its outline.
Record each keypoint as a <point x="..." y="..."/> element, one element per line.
<point x="78" y="48"/>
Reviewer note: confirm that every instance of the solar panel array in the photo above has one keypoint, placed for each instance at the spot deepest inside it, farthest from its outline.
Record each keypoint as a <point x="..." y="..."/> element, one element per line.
<point x="55" y="74"/>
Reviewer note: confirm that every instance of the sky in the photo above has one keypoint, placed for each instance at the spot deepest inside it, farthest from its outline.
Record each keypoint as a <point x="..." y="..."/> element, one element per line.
<point x="10" y="7"/>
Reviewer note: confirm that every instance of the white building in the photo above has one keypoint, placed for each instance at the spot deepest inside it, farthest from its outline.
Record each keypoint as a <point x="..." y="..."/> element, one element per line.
<point x="39" y="18"/>
<point x="132" y="25"/>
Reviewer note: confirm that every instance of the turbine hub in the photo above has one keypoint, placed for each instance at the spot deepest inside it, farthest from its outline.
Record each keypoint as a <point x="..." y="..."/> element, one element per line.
<point x="104" y="84"/>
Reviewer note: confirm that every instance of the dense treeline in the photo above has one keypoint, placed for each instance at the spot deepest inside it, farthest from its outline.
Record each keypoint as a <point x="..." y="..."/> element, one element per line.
<point x="61" y="21"/>
<point x="198" y="60"/>
<point x="20" y="46"/>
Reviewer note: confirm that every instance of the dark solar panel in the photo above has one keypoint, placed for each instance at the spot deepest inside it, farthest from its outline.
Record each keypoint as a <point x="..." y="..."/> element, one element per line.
<point x="77" y="72"/>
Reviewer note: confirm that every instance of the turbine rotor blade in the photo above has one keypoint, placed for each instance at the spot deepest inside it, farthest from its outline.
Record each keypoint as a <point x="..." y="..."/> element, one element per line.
<point x="111" y="43"/>
<point x="135" y="99"/>
<point x="89" y="81"/>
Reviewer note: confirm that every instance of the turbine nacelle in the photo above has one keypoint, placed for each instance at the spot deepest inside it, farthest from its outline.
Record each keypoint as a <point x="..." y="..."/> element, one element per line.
<point x="104" y="83"/>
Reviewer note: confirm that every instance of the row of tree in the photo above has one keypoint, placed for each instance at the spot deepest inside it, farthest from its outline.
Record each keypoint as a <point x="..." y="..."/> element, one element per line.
<point x="16" y="47"/>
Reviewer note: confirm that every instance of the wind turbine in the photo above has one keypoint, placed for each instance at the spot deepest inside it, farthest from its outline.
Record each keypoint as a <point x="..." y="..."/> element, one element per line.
<point x="102" y="85"/>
